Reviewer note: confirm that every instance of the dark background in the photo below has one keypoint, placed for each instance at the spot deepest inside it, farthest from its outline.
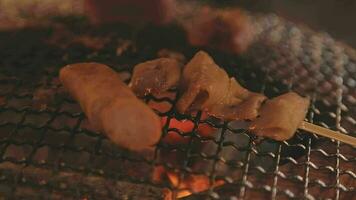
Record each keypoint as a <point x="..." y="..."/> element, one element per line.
<point x="336" y="17"/>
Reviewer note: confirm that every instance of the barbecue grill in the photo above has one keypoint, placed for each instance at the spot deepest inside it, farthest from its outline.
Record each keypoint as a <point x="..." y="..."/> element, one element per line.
<point x="49" y="151"/>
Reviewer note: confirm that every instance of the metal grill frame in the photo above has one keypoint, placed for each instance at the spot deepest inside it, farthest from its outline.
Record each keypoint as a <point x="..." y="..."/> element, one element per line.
<point x="38" y="58"/>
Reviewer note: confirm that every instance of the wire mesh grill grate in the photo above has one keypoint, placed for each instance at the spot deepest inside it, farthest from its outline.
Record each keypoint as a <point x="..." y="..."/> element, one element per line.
<point x="52" y="152"/>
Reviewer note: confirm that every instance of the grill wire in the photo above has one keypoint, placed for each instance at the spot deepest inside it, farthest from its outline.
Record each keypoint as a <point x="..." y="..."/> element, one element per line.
<point x="51" y="152"/>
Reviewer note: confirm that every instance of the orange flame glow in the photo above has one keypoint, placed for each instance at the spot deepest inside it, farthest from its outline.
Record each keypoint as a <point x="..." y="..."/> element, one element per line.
<point x="191" y="183"/>
<point x="185" y="126"/>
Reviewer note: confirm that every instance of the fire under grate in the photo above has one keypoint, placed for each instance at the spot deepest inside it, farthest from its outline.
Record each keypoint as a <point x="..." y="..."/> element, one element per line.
<point x="48" y="150"/>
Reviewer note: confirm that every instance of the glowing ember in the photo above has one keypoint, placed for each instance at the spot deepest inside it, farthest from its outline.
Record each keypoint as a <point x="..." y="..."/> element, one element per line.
<point x="186" y="185"/>
<point x="185" y="127"/>
<point x="191" y="183"/>
<point x="158" y="174"/>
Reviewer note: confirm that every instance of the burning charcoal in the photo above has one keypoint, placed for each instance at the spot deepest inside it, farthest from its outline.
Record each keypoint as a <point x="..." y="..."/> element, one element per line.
<point x="185" y="127"/>
<point x="190" y="184"/>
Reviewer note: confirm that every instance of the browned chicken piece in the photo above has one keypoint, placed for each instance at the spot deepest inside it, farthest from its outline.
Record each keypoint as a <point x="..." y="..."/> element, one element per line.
<point x="206" y="86"/>
<point x="281" y="116"/>
<point x="111" y="106"/>
<point x="225" y="29"/>
<point x="155" y="76"/>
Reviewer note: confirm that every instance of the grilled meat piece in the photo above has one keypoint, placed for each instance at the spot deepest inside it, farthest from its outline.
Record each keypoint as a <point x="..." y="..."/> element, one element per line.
<point x="155" y="76"/>
<point x="280" y="116"/>
<point x="206" y="86"/>
<point x="111" y="106"/>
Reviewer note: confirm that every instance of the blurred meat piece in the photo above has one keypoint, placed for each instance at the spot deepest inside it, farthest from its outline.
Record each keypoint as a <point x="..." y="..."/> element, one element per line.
<point x="281" y="116"/>
<point x="155" y="76"/>
<point x="130" y="11"/>
<point x="206" y="86"/>
<point x="167" y="53"/>
<point x="111" y="106"/>
<point x="229" y="30"/>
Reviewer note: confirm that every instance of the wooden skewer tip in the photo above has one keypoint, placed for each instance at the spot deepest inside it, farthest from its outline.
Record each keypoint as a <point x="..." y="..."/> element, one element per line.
<point x="328" y="133"/>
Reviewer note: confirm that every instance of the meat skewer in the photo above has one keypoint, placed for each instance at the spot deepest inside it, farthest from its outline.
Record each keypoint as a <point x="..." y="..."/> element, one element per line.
<point x="312" y="128"/>
<point x="110" y="105"/>
<point x="155" y="76"/>
<point x="280" y="116"/>
<point x="206" y="86"/>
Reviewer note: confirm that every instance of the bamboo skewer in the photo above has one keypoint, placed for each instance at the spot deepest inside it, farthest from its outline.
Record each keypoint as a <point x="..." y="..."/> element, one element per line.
<point x="328" y="133"/>
<point x="309" y="127"/>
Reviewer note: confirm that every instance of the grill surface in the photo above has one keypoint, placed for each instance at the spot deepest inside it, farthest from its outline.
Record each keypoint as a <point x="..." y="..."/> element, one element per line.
<point x="51" y="152"/>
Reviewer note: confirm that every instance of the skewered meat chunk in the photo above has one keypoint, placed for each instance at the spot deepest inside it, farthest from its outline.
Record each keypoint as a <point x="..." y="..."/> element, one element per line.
<point x="203" y="83"/>
<point x="111" y="106"/>
<point x="281" y="116"/>
<point x="206" y="86"/>
<point x="247" y="109"/>
<point x="225" y="29"/>
<point x="155" y="76"/>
